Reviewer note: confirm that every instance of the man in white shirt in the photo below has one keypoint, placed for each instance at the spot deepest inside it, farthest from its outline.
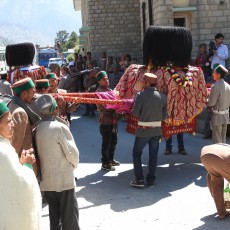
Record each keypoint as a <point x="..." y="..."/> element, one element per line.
<point x="220" y="51"/>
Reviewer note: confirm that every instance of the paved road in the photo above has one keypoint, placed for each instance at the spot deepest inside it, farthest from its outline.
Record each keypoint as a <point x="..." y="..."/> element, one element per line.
<point x="180" y="199"/>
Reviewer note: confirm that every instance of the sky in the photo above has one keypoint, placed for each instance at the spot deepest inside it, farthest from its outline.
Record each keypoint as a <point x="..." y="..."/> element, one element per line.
<point x="44" y="16"/>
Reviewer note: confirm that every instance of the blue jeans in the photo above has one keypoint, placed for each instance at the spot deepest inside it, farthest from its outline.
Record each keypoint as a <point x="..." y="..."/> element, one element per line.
<point x="180" y="141"/>
<point x="139" y="144"/>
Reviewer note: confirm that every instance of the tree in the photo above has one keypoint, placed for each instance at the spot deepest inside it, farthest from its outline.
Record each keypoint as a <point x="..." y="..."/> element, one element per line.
<point x="62" y="36"/>
<point x="66" y="41"/>
<point x="73" y="42"/>
<point x="73" y="37"/>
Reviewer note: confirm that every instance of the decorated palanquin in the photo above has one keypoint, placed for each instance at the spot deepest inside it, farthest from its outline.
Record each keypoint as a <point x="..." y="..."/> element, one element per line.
<point x="34" y="72"/>
<point x="19" y="58"/>
<point x="185" y="90"/>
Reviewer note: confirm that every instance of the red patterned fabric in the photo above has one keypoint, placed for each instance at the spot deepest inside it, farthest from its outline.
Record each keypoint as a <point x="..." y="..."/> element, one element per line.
<point x="169" y="130"/>
<point x="84" y="95"/>
<point x="184" y="103"/>
<point x="132" y="124"/>
<point x="85" y="100"/>
<point x="35" y="74"/>
<point x="131" y="82"/>
<point x="107" y="98"/>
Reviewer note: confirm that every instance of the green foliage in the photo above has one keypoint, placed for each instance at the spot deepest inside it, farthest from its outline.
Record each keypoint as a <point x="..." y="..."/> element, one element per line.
<point x="70" y="57"/>
<point x="67" y="41"/>
<point x="73" y="37"/>
<point x="68" y="45"/>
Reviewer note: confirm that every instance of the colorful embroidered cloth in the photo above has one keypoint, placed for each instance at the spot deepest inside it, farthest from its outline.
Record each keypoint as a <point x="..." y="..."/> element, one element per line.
<point x="34" y="72"/>
<point x="184" y="103"/>
<point x="168" y="130"/>
<point x="131" y="82"/>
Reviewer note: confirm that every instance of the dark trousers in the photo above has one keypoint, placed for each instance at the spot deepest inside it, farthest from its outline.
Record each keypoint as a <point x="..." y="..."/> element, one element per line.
<point x="109" y="142"/>
<point x="63" y="210"/>
<point x="80" y="83"/>
<point x="90" y="109"/>
<point x="180" y="141"/>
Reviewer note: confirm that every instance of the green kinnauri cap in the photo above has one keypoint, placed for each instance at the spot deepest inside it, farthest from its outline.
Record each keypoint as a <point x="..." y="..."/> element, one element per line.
<point x="3" y="108"/>
<point x="101" y="75"/>
<point x="22" y="85"/>
<point x="50" y="76"/>
<point x="42" y="83"/>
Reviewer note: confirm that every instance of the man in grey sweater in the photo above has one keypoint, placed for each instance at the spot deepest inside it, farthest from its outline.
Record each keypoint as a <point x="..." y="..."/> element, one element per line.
<point x="151" y="108"/>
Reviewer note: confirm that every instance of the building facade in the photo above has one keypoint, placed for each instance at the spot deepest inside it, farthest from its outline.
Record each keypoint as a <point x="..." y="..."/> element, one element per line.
<point x="118" y="26"/>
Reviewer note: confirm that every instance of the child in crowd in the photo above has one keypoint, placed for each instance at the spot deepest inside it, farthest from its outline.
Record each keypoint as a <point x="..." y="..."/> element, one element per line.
<point x="202" y="61"/>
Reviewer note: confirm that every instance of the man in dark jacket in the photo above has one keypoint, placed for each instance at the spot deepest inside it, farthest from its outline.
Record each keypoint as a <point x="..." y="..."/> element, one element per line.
<point x="108" y="127"/>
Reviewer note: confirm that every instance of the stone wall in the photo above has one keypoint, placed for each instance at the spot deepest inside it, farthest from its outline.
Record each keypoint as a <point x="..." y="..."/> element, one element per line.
<point x="162" y="12"/>
<point x="209" y="19"/>
<point x="115" y="27"/>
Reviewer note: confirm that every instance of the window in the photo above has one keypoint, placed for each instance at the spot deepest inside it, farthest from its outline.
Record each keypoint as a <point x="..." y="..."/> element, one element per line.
<point x="182" y="19"/>
<point x="180" y="22"/>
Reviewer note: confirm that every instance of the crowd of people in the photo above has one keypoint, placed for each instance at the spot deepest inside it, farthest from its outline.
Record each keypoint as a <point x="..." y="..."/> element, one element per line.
<point x="114" y="67"/>
<point x="39" y="151"/>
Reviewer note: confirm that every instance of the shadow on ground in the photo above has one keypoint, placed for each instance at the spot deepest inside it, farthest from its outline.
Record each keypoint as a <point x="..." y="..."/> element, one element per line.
<point x="100" y="188"/>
